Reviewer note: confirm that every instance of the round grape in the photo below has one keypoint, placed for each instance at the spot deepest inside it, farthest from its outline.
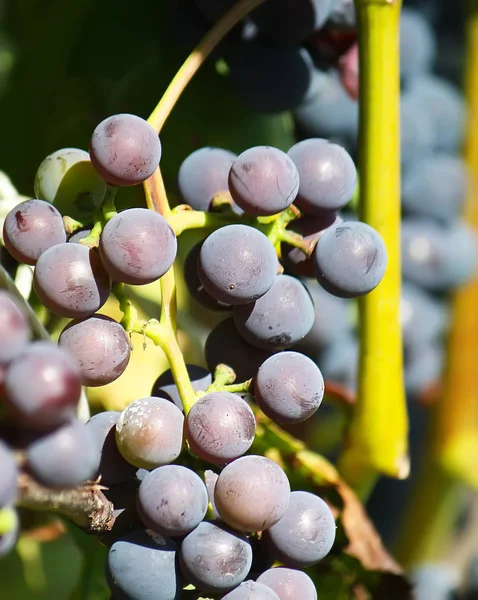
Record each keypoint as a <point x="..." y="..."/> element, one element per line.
<point x="289" y="584"/>
<point x="80" y="234"/>
<point x="203" y="174"/>
<point x="68" y="180"/>
<point x="289" y="387"/>
<point x="251" y="590"/>
<point x="8" y="476"/>
<point x="164" y="386"/>
<point x="306" y="532"/>
<point x="280" y="319"/>
<point x="351" y="259"/>
<point x="172" y="500"/>
<point x="252" y="493"/>
<point x="14" y="328"/>
<point x="220" y="427"/>
<point x="110" y="465"/>
<point x="327" y="175"/>
<point x="31" y="228"/>
<point x="65" y="458"/>
<point x="100" y="346"/>
<point x="42" y="386"/>
<point x="263" y="181"/>
<point x="70" y="280"/>
<point x="214" y="558"/>
<point x="142" y="565"/>
<point x="423" y="318"/>
<point x="125" y="150"/>
<point x="149" y="432"/>
<point x="237" y="264"/>
<point x="417" y="43"/>
<point x="137" y="246"/>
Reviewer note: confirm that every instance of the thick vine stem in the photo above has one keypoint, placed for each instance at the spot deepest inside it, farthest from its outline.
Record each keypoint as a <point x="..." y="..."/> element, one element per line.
<point x="377" y="439"/>
<point x="86" y="506"/>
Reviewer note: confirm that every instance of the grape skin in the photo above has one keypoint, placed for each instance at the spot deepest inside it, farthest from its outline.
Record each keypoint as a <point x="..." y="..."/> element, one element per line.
<point x="251" y="590"/>
<point x="110" y="465"/>
<point x="42" y="386"/>
<point x="142" y="565"/>
<point x="31" y="228"/>
<point x="172" y="500"/>
<point x="215" y="558"/>
<point x="289" y="388"/>
<point x="14" y="328"/>
<point x="100" y="346"/>
<point x="65" y="458"/>
<point x="164" y="386"/>
<point x="263" y="181"/>
<point x="149" y="432"/>
<point x="220" y="427"/>
<point x="351" y="259"/>
<point x="252" y="493"/>
<point x="8" y="476"/>
<point x="306" y="532"/>
<point x="250" y="268"/>
<point x="125" y="150"/>
<point x="70" y="281"/>
<point x="327" y="175"/>
<point x="289" y="584"/>
<point x="137" y="246"/>
<point x="203" y="174"/>
<point x="280" y="319"/>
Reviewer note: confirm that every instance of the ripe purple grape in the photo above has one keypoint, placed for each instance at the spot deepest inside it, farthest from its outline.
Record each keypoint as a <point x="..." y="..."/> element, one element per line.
<point x="306" y="532"/>
<point x="280" y="319"/>
<point x="252" y="493"/>
<point x="220" y="427"/>
<point x="31" y="228"/>
<point x="251" y="590"/>
<point x="70" y="280"/>
<point x="237" y="264"/>
<point x="42" y="386"/>
<point x="327" y="175"/>
<point x="149" y="432"/>
<point x="100" y="346"/>
<point x="8" y="476"/>
<point x="125" y="150"/>
<point x="172" y="500"/>
<point x="65" y="458"/>
<point x="14" y="328"/>
<point x="164" y="386"/>
<point x="351" y="259"/>
<point x="289" y="387"/>
<point x="214" y="558"/>
<point x="137" y="246"/>
<point x="289" y="584"/>
<point x="263" y="181"/>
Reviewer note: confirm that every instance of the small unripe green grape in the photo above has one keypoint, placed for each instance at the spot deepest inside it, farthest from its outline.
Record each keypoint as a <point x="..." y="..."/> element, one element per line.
<point x="68" y="180"/>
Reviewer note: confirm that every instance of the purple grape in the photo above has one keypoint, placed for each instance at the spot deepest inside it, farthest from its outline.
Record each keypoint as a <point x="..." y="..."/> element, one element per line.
<point x="327" y="175"/>
<point x="149" y="432"/>
<point x="203" y="174"/>
<point x="252" y="493"/>
<point x="423" y="317"/>
<point x="263" y="181"/>
<point x="142" y="565"/>
<point x="220" y="427"/>
<point x="214" y="558"/>
<point x="289" y="584"/>
<point x="110" y="465"/>
<point x="351" y="259"/>
<point x="172" y="500"/>
<point x="100" y="346"/>
<point x="306" y="532"/>
<point x="71" y="281"/>
<point x="31" y="228"/>
<point x="125" y="150"/>
<point x="164" y="386"/>
<point x="14" y="328"/>
<point x="251" y="590"/>
<point x="42" y="386"/>
<point x="289" y="388"/>
<point x="8" y="476"/>
<point x="280" y="319"/>
<point x="65" y="458"/>
<point x="137" y="246"/>
<point x="210" y="479"/>
<point x="78" y="235"/>
<point x="237" y="264"/>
